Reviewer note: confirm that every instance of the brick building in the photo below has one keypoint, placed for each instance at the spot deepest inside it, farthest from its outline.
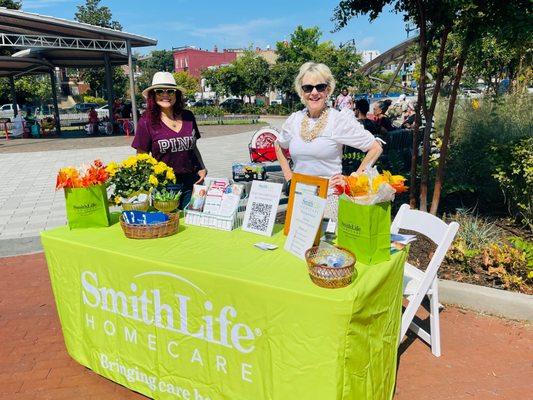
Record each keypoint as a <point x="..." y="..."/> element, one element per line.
<point x="194" y="60"/>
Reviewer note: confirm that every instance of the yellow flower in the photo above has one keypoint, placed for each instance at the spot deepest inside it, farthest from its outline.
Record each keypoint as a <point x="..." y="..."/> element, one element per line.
<point x="153" y="180"/>
<point x="117" y="200"/>
<point x="112" y="168"/>
<point x="129" y="162"/>
<point x="143" y="156"/>
<point x="378" y="181"/>
<point x="160" y="168"/>
<point x="170" y="175"/>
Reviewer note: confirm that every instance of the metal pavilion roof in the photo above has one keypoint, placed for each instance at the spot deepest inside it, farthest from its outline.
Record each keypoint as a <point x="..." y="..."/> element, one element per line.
<point x="25" y="23"/>
<point x="10" y="66"/>
<point x="391" y="56"/>
<point x="73" y="58"/>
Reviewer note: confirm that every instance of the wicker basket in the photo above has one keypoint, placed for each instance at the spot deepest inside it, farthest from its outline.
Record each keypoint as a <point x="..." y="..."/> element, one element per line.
<point x="329" y="277"/>
<point x="166" y="206"/>
<point x="139" y="231"/>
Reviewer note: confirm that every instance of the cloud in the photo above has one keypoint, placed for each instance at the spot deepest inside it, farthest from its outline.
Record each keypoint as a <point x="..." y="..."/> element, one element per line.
<point x="256" y="31"/>
<point x="365" y="42"/>
<point x="37" y="4"/>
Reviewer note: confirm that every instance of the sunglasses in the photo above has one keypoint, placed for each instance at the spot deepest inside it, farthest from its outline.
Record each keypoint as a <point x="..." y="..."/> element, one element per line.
<point x="160" y="92"/>
<point x="319" y="88"/>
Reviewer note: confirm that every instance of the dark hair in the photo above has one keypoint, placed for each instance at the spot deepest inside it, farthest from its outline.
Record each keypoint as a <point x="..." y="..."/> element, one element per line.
<point x="153" y="111"/>
<point x="384" y="105"/>
<point x="362" y="105"/>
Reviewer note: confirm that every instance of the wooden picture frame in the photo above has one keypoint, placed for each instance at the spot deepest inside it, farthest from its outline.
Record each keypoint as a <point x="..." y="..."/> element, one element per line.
<point x="299" y="180"/>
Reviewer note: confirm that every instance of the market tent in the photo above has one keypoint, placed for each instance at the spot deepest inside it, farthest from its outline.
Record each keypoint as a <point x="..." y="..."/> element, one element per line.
<point x="65" y="43"/>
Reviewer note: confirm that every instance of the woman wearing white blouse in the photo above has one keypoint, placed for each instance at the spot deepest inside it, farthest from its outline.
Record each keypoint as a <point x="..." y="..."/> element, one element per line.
<point x="315" y="136"/>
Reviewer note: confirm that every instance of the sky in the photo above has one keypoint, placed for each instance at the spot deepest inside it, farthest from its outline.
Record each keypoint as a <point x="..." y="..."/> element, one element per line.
<point x="233" y="24"/>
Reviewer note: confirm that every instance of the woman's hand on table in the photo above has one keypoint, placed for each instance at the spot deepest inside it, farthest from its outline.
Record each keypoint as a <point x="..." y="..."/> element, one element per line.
<point x="202" y="174"/>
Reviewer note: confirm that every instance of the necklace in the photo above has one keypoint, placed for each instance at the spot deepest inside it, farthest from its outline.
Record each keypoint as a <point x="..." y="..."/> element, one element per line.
<point x="309" y="135"/>
<point x="172" y="122"/>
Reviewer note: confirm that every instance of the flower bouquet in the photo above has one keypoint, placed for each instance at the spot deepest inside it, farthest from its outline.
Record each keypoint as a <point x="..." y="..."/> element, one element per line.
<point x="134" y="178"/>
<point x="365" y="214"/>
<point x="85" y="195"/>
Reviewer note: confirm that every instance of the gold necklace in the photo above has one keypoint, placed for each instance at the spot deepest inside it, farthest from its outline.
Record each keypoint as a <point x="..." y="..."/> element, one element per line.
<point x="173" y="123"/>
<point x="309" y="135"/>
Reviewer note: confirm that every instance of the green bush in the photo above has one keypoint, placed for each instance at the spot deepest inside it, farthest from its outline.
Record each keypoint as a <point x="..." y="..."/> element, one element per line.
<point x="482" y="141"/>
<point x="210" y="111"/>
<point x="278" y="109"/>
<point x="92" y="99"/>
<point x="515" y="177"/>
<point x="248" y="108"/>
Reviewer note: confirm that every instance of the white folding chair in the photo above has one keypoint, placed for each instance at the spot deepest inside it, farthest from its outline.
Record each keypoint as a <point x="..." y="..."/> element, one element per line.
<point x="416" y="283"/>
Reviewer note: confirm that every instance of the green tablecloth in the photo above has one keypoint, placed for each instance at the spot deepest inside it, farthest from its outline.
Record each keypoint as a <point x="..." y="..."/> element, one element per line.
<point x="204" y="315"/>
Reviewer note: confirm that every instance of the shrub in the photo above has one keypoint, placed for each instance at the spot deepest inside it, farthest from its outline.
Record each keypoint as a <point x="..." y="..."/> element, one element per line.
<point x="481" y="143"/>
<point x="278" y="109"/>
<point x="516" y="180"/>
<point x="92" y="99"/>
<point x="210" y="111"/>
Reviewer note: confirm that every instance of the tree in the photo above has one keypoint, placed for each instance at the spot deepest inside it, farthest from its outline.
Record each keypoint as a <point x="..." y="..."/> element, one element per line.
<point x="158" y="60"/>
<point x="187" y="82"/>
<point x="304" y="45"/>
<point x="92" y="13"/>
<point x="469" y="20"/>
<point x="10" y="4"/>
<point x="95" y="77"/>
<point x="253" y="72"/>
<point x="217" y="79"/>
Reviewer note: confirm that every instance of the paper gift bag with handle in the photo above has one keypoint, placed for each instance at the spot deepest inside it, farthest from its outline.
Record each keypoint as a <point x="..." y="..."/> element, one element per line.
<point x="87" y="207"/>
<point x="365" y="230"/>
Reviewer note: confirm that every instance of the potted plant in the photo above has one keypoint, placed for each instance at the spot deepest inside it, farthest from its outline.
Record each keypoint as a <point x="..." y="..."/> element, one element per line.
<point x="132" y="180"/>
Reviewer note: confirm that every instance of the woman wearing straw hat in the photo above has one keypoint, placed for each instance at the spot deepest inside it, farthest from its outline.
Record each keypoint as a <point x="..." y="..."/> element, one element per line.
<point x="169" y="133"/>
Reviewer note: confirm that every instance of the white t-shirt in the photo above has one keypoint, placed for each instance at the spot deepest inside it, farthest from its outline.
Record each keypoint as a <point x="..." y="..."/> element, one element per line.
<point x="323" y="155"/>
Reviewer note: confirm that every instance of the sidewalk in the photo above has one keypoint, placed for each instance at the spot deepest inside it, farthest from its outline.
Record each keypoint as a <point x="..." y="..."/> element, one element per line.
<point x="483" y="357"/>
<point x="30" y="204"/>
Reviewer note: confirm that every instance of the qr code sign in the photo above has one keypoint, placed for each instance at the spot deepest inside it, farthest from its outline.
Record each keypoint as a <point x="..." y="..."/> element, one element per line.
<point x="259" y="216"/>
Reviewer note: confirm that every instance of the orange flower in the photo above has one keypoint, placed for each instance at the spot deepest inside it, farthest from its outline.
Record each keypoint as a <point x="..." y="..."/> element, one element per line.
<point x="398" y="183"/>
<point x="357" y="185"/>
<point x="70" y="177"/>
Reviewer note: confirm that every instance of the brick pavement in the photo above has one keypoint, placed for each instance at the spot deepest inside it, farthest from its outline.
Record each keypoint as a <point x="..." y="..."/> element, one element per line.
<point x="483" y="357"/>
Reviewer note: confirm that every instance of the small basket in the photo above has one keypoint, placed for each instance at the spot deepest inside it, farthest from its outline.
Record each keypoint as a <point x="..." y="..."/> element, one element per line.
<point x="329" y="277"/>
<point x="153" y="231"/>
<point x="166" y="206"/>
<point x="136" y="206"/>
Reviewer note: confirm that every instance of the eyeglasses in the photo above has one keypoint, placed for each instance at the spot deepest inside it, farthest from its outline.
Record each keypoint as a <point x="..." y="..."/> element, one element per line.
<point x="170" y="92"/>
<point x="319" y="88"/>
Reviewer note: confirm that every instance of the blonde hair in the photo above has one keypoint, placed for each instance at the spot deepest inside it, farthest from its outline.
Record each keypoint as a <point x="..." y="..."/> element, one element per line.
<point x="315" y="69"/>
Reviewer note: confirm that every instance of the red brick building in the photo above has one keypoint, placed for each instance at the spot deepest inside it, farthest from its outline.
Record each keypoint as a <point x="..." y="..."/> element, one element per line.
<point x="194" y="60"/>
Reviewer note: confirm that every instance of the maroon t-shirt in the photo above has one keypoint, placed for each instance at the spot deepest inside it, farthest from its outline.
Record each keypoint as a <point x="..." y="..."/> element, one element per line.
<point x="176" y="149"/>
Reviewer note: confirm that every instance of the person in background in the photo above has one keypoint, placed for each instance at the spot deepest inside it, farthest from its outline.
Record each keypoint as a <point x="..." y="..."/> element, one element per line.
<point x="93" y="121"/>
<point x="169" y="133"/>
<point x="409" y="117"/>
<point x="381" y="119"/>
<point x="344" y="100"/>
<point x="351" y="157"/>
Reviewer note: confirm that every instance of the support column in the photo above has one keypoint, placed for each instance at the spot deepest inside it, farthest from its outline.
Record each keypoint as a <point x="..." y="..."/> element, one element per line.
<point x="54" y="99"/>
<point x="109" y="86"/>
<point x="13" y="95"/>
<point x="132" y="85"/>
<point x="398" y="68"/>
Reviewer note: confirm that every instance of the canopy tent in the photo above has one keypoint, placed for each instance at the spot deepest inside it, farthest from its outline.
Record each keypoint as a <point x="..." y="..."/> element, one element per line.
<point x="397" y="55"/>
<point x="55" y="42"/>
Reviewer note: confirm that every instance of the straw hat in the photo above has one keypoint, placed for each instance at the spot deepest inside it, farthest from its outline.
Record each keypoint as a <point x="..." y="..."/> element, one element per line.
<point x="162" y="80"/>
